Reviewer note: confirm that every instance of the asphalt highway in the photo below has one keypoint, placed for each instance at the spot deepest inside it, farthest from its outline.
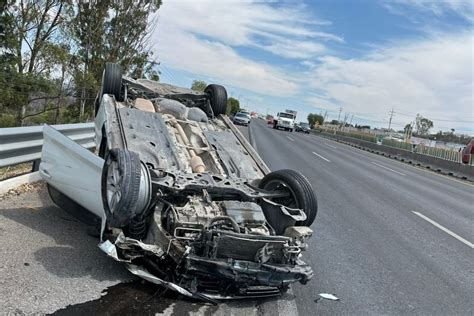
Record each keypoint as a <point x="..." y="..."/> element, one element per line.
<point x="389" y="238"/>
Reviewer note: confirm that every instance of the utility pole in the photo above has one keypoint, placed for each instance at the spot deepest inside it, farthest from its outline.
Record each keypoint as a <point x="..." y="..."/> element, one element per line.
<point x="325" y="116"/>
<point x="390" y="121"/>
<point x="411" y="129"/>
<point x="351" y="119"/>
<point x="339" y="117"/>
<point x="344" y="122"/>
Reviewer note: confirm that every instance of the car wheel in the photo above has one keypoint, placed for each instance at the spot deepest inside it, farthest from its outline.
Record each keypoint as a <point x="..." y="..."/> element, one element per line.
<point x="112" y="80"/>
<point x="126" y="187"/>
<point x="218" y="98"/>
<point x="302" y="195"/>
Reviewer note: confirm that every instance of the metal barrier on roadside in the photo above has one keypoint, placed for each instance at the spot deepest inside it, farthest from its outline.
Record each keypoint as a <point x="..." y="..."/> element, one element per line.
<point x="446" y="154"/>
<point x="446" y="166"/>
<point x="24" y="144"/>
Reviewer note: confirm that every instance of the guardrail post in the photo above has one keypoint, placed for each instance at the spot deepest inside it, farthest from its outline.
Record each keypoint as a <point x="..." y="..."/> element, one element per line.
<point x="36" y="164"/>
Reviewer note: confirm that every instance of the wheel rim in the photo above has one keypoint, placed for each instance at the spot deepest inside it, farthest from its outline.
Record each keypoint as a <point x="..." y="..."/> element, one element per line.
<point x="144" y="197"/>
<point x="114" y="185"/>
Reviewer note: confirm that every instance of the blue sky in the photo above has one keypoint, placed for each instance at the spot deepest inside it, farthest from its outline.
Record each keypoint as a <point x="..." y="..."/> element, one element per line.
<point x="367" y="57"/>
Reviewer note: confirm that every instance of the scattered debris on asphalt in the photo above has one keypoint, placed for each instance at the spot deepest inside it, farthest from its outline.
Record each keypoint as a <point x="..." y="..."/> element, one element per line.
<point x="327" y="296"/>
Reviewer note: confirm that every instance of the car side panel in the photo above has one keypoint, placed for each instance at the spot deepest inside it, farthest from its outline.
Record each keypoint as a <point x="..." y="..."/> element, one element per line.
<point x="72" y="169"/>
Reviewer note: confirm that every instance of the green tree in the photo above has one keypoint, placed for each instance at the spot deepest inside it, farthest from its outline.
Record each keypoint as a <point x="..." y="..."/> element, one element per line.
<point x="423" y="125"/>
<point x="315" y="119"/>
<point x="111" y="31"/>
<point x="233" y="106"/>
<point x="199" y="85"/>
<point x="43" y="57"/>
<point x="28" y="51"/>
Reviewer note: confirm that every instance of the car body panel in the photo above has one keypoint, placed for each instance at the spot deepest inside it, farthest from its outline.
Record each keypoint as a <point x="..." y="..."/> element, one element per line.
<point x="72" y="169"/>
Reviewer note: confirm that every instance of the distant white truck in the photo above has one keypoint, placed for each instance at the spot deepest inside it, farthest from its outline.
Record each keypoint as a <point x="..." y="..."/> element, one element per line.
<point x="285" y="120"/>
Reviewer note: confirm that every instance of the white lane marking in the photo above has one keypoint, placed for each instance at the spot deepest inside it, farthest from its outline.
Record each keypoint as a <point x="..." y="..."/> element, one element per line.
<point x="447" y="231"/>
<point x="382" y="166"/>
<point x="321" y="157"/>
<point x="290" y="138"/>
<point x="333" y="147"/>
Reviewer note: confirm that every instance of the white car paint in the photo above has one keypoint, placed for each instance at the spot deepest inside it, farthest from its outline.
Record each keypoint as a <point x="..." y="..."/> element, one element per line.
<point x="72" y="169"/>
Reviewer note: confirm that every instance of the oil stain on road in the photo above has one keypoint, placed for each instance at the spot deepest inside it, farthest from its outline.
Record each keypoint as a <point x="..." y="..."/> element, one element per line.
<point x="137" y="297"/>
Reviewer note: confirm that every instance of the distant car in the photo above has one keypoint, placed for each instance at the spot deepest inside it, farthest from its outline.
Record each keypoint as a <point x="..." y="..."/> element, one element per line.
<point x="302" y="128"/>
<point x="285" y="120"/>
<point x="242" y="118"/>
<point x="270" y="119"/>
<point x="468" y="151"/>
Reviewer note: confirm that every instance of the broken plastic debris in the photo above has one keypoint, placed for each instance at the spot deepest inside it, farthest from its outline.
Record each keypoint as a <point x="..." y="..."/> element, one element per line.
<point x="328" y="296"/>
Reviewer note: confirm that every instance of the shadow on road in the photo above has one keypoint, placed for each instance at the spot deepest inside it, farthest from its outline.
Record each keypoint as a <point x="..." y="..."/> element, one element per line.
<point x="63" y="246"/>
<point x="60" y="244"/>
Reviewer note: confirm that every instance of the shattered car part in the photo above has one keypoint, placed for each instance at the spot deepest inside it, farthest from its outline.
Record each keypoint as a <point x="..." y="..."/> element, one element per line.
<point x="329" y="296"/>
<point x="184" y="201"/>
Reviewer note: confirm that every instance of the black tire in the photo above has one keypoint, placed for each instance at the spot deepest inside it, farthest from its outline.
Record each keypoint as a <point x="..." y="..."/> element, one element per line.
<point x="302" y="195"/>
<point x="127" y="166"/>
<point x="112" y="80"/>
<point x="73" y="208"/>
<point x="218" y="98"/>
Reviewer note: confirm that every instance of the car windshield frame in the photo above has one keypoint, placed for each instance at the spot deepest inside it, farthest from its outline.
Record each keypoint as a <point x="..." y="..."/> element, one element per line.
<point x="287" y="115"/>
<point x="242" y="115"/>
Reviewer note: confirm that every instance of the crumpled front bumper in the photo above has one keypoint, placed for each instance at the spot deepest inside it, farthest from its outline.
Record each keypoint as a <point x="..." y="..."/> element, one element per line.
<point x="249" y="273"/>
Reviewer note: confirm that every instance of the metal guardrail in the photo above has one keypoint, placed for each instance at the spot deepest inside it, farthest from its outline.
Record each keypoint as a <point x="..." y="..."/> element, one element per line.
<point x="446" y="154"/>
<point x="441" y="153"/>
<point x="23" y="144"/>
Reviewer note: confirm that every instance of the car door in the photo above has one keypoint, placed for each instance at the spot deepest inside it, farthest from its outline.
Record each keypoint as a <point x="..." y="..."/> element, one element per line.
<point x="72" y="169"/>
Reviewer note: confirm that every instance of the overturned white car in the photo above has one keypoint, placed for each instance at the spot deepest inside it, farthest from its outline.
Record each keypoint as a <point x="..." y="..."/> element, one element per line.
<point x="182" y="198"/>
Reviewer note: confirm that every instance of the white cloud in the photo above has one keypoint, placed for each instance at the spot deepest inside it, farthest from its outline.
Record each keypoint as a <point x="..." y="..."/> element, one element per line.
<point x="219" y="61"/>
<point x="238" y="22"/>
<point x="463" y="8"/>
<point x="433" y="77"/>
<point x="202" y="37"/>
<point x="294" y="49"/>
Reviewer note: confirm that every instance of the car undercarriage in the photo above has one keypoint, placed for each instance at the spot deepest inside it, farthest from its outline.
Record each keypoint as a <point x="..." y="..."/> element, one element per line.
<point x="186" y="202"/>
